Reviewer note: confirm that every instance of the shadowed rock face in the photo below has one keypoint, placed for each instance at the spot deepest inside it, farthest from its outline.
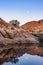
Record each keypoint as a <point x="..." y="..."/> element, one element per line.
<point x="40" y="37"/>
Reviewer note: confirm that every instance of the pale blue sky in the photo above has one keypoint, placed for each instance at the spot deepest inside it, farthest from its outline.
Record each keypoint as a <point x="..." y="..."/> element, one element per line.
<point x="23" y="10"/>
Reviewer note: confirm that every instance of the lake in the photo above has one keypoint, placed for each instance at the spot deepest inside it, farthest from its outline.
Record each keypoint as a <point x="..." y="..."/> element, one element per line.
<point x="25" y="59"/>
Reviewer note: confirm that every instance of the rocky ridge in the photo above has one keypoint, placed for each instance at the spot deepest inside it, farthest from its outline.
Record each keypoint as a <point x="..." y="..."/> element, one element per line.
<point x="35" y="27"/>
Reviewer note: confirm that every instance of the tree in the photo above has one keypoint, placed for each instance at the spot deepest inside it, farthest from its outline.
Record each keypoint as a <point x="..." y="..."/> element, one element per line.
<point x="15" y="22"/>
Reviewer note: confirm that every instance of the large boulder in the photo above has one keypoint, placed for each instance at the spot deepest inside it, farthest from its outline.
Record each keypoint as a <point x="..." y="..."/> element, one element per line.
<point x="19" y="37"/>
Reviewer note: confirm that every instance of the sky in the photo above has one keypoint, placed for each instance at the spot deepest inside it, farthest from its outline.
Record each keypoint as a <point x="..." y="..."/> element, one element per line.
<point x="22" y="10"/>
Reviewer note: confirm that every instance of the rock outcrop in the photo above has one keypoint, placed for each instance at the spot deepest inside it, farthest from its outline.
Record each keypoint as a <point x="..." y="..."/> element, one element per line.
<point x="15" y="40"/>
<point x="34" y="27"/>
<point x="11" y="32"/>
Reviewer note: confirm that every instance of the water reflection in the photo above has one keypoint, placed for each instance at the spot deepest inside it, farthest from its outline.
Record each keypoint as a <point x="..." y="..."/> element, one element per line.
<point x="21" y="56"/>
<point x="26" y="59"/>
<point x="15" y="60"/>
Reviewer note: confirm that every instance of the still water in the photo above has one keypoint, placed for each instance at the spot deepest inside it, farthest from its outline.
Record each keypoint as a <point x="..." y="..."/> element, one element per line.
<point x="26" y="59"/>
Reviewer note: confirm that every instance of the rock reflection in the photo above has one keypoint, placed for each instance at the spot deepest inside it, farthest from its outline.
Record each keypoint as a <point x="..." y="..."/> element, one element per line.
<point x="12" y="54"/>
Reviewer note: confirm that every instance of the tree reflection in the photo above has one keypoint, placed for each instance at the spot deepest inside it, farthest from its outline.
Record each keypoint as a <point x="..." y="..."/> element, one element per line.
<point x="15" y="60"/>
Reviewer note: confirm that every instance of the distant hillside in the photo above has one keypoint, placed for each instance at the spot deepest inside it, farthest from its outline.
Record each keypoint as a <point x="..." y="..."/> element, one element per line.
<point x="33" y="26"/>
